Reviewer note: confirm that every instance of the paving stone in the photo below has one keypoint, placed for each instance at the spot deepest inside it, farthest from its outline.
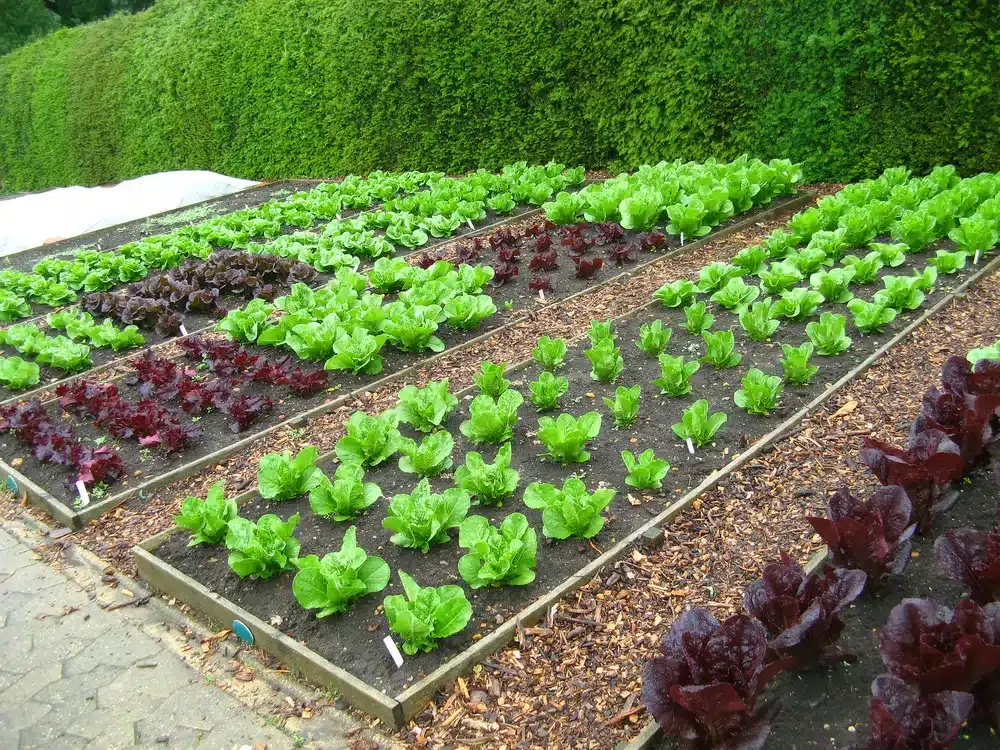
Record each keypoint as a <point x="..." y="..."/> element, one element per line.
<point x="93" y="723"/>
<point x="160" y="681"/>
<point x="118" y="648"/>
<point x="30" y="684"/>
<point x="63" y="742"/>
<point x="23" y="715"/>
<point x="120" y="734"/>
<point x="18" y="653"/>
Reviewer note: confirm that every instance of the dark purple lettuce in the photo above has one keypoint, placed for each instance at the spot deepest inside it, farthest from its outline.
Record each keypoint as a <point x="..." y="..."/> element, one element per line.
<point x="924" y="471"/>
<point x="903" y="719"/>
<point x="799" y="610"/>
<point x="703" y="689"/>
<point x="972" y="557"/>
<point x="872" y="536"/>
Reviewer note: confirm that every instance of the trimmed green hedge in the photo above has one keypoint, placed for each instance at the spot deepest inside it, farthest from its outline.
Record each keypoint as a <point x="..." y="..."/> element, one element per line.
<point x="264" y="88"/>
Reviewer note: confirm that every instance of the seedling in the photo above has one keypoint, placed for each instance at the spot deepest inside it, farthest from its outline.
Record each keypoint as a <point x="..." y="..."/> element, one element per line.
<point x="699" y="425"/>
<point x="736" y="294"/>
<point x="549" y="353"/>
<point x="645" y="472"/>
<point x="490" y="484"/>
<point x="796" y="365"/>
<point x="719" y="350"/>
<point x="653" y="338"/>
<point x="697" y="319"/>
<point x="827" y="334"/>
<point x="346" y="496"/>
<point x="676" y="293"/>
<point x="606" y="361"/>
<point x="797" y="304"/>
<point x="871" y="317"/>
<point x="675" y="375"/>
<point x="566" y="436"/>
<point x="834" y="284"/>
<point x="758" y="321"/>
<point x="760" y="392"/>
<point x="624" y="406"/>
<point x="429" y="457"/>
<point x="491" y="381"/>
<point x="571" y="511"/>
<point x="548" y="390"/>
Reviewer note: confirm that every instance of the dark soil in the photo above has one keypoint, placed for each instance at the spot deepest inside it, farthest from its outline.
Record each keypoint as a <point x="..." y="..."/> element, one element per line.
<point x="119" y="234"/>
<point x="353" y="641"/>
<point x="829" y="708"/>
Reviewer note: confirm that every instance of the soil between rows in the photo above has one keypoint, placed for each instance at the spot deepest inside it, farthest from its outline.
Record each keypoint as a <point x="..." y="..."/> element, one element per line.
<point x="819" y="708"/>
<point x="353" y="640"/>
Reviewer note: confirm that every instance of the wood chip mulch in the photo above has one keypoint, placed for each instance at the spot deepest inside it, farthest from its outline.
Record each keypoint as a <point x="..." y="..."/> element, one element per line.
<point x="574" y="681"/>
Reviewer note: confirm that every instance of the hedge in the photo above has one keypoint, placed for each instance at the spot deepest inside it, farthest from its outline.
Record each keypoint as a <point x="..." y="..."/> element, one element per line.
<point x="267" y="88"/>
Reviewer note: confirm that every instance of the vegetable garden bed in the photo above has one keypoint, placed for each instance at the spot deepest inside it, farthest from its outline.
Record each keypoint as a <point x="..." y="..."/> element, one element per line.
<point x="563" y="565"/>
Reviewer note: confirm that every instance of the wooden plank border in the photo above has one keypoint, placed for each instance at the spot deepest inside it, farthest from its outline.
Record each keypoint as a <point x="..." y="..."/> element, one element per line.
<point x="412" y="700"/>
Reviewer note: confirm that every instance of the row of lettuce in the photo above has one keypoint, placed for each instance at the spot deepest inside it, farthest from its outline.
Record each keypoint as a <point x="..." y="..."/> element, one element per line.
<point x="943" y="665"/>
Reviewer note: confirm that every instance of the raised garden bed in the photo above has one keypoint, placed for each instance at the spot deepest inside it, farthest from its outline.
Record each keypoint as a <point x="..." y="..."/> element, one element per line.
<point x="563" y="566"/>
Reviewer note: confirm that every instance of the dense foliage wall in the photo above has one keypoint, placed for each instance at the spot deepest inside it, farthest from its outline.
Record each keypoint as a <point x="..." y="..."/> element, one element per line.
<point x="261" y="88"/>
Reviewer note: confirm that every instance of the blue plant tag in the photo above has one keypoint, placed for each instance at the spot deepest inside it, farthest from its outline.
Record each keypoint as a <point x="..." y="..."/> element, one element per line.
<point x="12" y="486"/>
<point x="242" y="632"/>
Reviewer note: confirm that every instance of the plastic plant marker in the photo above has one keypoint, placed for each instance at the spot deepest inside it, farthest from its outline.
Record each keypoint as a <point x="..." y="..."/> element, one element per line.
<point x="390" y="646"/>
<point x="241" y="631"/>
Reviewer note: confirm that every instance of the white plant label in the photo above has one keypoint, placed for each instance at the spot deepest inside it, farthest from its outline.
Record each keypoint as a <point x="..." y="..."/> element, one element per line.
<point x="184" y="331"/>
<point x="976" y="261"/>
<point x="682" y="238"/>
<point x="470" y="224"/>
<point x="390" y="646"/>
<point x="81" y="489"/>
<point x="690" y="446"/>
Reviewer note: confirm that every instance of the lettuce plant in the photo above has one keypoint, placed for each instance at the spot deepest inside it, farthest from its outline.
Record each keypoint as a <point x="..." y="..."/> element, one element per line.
<point x="501" y="203"/>
<point x="892" y="255"/>
<point x="924" y="278"/>
<point x="281" y="477"/>
<point x="426" y="408"/>
<point x="924" y="471"/>
<point x="688" y="218"/>
<point x="492" y="420"/>
<point x="566" y="436"/>
<point x="675" y="375"/>
<point x="548" y="390"/>
<point x="645" y="471"/>
<point x="497" y="557"/>
<point x="676" y="293"/>
<point x="779" y="277"/>
<point x="758" y="321"/>
<point x="858" y="226"/>
<point x="736" y="295"/>
<point x="346" y="496"/>
<point x="750" y="259"/>
<point x="703" y="686"/>
<point x="797" y="304"/>
<point x="900" y="293"/>
<point x="834" y="284"/>
<point x="624" y="406"/>
<point x="780" y="243"/>
<point x="806" y="223"/>
<point x="760" y="392"/>
<point x="827" y="334"/>
<point x="715" y="276"/>
<point x="653" y="338"/>
<point x="334" y="582"/>
<point x="465" y="311"/>
<point x="489" y="484"/>
<point x="642" y="209"/>
<point x="571" y="511"/>
<point x="949" y="263"/>
<point x="60" y="353"/>
<point x="424" y="616"/>
<point x="12" y="307"/>
<point x="902" y="717"/>
<point x="831" y="244"/>
<point x="391" y="275"/>
<point x="369" y="440"/>
<point x="974" y="355"/>
<point x="17" y="374"/>
<point x="247" y="324"/>
<point x="872" y="536"/>
<point x="549" y="353"/>
<point x="975" y="233"/>
<point x="606" y="361"/>
<point x="491" y="381"/>
<point x="423" y="518"/>
<point x="795" y="363"/>
<point x="698" y="424"/>
<point x="357" y="351"/>
<point x="865" y="269"/>
<point x="429" y="457"/>
<point x="207" y="519"/>
<point x="809" y="260"/>
<point x="412" y="328"/>
<point x="720" y="350"/>
<point x="262" y="549"/>
<point x="801" y="611"/>
<point x="473" y="279"/>
<point x="972" y="557"/>
<point x="696" y="319"/>
<point x="870" y="317"/>
<point x="600" y="330"/>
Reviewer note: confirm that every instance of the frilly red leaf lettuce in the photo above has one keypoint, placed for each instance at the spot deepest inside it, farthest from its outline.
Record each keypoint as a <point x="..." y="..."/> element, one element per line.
<point x="903" y="719"/>
<point x="972" y="557"/>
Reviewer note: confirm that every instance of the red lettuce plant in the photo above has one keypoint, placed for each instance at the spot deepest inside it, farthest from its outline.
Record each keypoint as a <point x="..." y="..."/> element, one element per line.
<point x="509" y="254"/>
<point x="533" y="230"/>
<point x="620" y="254"/>
<point x="935" y="649"/>
<point x="546" y="261"/>
<point x="609" y="232"/>
<point x="502" y="237"/>
<point x="872" y="536"/>
<point x="542" y="244"/>
<point x="800" y="611"/>
<point x="503" y="272"/>
<point x="304" y="382"/>
<point x="924" y="471"/>
<point x="577" y="245"/>
<point x="540" y="284"/>
<point x="903" y="719"/>
<point x="426" y="260"/>
<point x="467" y="254"/>
<point x="972" y="557"/>
<point x="652" y="241"/>
<point x="585" y="269"/>
<point x="703" y="689"/>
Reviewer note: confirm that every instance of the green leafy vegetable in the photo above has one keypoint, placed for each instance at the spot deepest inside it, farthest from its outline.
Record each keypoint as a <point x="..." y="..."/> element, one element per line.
<point x="699" y="425"/>
<point x="571" y="511"/>
<point x="715" y="276"/>
<point x="779" y="277"/>
<point x="391" y="275"/>
<point x="892" y="255"/>
<point x="281" y="477"/>
<point x="496" y="557"/>
<point x="547" y="390"/>
<point x="834" y="284"/>
<point x="492" y="420"/>
<point x="600" y="331"/>
<point x="346" y="496"/>
<point x="751" y="259"/>
<point x="606" y="361"/>
<point x="948" y="263"/>
<point x="491" y="381"/>
<point x="423" y="518"/>
<point x="696" y="318"/>
<point x="412" y="328"/>
<point x="357" y="351"/>
<point x="465" y="311"/>
<point x="720" y="350"/>
<point x="736" y="294"/>
<point x="566" y="437"/>
<point x="247" y="324"/>
<point x="865" y="269"/>
<point x="12" y="307"/>
<point x="986" y="352"/>
<point x="797" y="304"/>
<point x="426" y="615"/>
<point x="17" y="374"/>
<point x="624" y="406"/>
<point x="688" y="218"/>
<point x="645" y="471"/>
<point x="675" y="375"/>
<point x="900" y="293"/>
<point x="975" y="233"/>
<point x="549" y="353"/>
<point x="262" y="549"/>
<point x="676" y="293"/>
<point x="641" y="210"/>
<point x="490" y="484"/>
<point x="429" y="457"/>
<point x="62" y="354"/>
<point x="871" y="317"/>
<point x="332" y="584"/>
<point x="369" y="440"/>
<point x="760" y="392"/>
<point x="796" y="365"/>
<point x="207" y="519"/>
<point x="827" y="334"/>
<point x="759" y="322"/>
<point x="426" y="408"/>
<point x="809" y="260"/>
<point x="653" y="338"/>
